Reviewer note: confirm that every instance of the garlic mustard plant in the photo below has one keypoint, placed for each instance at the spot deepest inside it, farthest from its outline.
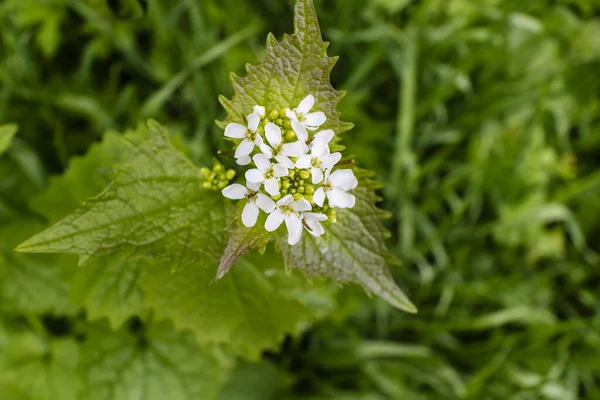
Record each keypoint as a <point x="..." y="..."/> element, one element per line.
<point x="293" y="167"/>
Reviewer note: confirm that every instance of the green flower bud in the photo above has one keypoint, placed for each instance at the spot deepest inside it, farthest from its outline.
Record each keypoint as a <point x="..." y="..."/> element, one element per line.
<point x="309" y="189"/>
<point x="301" y="189"/>
<point x="304" y="174"/>
<point x="293" y="191"/>
<point x="331" y="215"/>
<point x="260" y="130"/>
<point x="221" y="185"/>
<point x="290" y="135"/>
<point x="279" y="121"/>
<point x="274" y="115"/>
<point x="205" y="172"/>
<point x="285" y="184"/>
<point x="230" y="174"/>
<point x="298" y="196"/>
<point x="207" y="185"/>
<point x="292" y="173"/>
<point x="218" y="167"/>
<point x="276" y="197"/>
<point x="287" y="124"/>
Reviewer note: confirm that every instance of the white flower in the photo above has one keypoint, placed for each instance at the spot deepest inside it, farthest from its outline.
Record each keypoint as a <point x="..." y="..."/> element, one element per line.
<point x="318" y="160"/>
<point x="248" y="133"/>
<point x="260" y="110"/>
<point x="267" y="173"/>
<point x="282" y="152"/>
<point x="303" y="120"/>
<point x="289" y="211"/>
<point x="312" y="223"/>
<point x="256" y="200"/>
<point x="335" y="187"/>
<point x="326" y="135"/>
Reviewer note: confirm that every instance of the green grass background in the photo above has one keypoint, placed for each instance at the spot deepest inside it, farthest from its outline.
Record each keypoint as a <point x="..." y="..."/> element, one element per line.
<point x="482" y="118"/>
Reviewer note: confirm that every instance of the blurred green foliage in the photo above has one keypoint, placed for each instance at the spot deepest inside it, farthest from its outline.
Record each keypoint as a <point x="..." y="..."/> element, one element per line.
<point x="482" y="117"/>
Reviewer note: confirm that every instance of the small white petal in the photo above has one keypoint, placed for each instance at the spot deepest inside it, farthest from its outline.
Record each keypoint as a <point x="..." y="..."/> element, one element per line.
<point x="255" y="176"/>
<point x="260" y="110"/>
<point x="312" y="220"/>
<point x="285" y="161"/>
<point x="235" y="131"/>
<point x="314" y="120"/>
<point x="338" y="198"/>
<point x="329" y="160"/>
<point x="300" y="130"/>
<point x="294" y="227"/>
<point x="274" y="220"/>
<point x="319" y="147"/>
<point x="343" y="179"/>
<point x="317" y="175"/>
<point x="253" y="121"/>
<point x="262" y="162"/>
<point x="301" y="205"/>
<point x="250" y="214"/>
<point x="266" y="150"/>
<point x="243" y="160"/>
<point x="244" y="148"/>
<point x="235" y="191"/>
<point x="351" y="200"/>
<point x="326" y="135"/>
<point x="272" y="186"/>
<point x="253" y="186"/>
<point x="265" y="203"/>
<point x="319" y="197"/>
<point x="280" y="170"/>
<point x="295" y="149"/>
<point x="290" y="114"/>
<point x="306" y="105"/>
<point x="285" y="200"/>
<point x="314" y="216"/>
<point x="304" y="161"/>
<point x="273" y="133"/>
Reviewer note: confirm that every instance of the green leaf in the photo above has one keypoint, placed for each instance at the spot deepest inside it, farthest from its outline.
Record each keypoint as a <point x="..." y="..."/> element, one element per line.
<point x="107" y="288"/>
<point x="154" y="206"/>
<point x="38" y="368"/>
<point x="155" y="363"/>
<point x="33" y="283"/>
<point x="352" y="250"/>
<point x="292" y="69"/>
<point x="7" y="132"/>
<point x="245" y="311"/>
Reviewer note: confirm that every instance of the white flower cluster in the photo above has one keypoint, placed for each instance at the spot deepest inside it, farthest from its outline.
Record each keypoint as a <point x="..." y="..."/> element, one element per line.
<point x="292" y="181"/>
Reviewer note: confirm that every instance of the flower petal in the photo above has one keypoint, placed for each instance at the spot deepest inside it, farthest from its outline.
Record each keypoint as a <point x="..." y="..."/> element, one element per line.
<point x="243" y="160"/>
<point x="312" y="221"/>
<point x="306" y="104"/>
<point x="319" y="197"/>
<point x="300" y="130"/>
<point x="260" y="110"/>
<point x="294" y="227"/>
<point x="265" y="203"/>
<point x="273" y="133"/>
<point x="244" y="148"/>
<point x="235" y="191"/>
<point x="304" y="161"/>
<point x="317" y="175"/>
<point x="285" y="200"/>
<point x="235" y="131"/>
<point x="351" y="200"/>
<point x="274" y="220"/>
<point x="343" y="179"/>
<point x="280" y="170"/>
<point x="255" y="176"/>
<point x="295" y="149"/>
<point x="338" y="198"/>
<point x="314" y="216"/>
<point x="301" y="205"/>
<point x="291" y="115"/>
<point x="326" y="135"/>
<point x="266" y="150"/>
<point x="319" y="147"/>
<point x="253" y="186"/>
<point x="250" y="214"/>
<point x="329" y="160"/>
<point x="253" y="121"/>
<point x="262" y="162"/>
<point x="285" y="161"/>
<point x="272" y="186"/>
<point x="314" y="119"/>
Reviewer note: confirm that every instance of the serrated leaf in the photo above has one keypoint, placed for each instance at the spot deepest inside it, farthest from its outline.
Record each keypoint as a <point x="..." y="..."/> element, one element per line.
<point x="153" y="364"/>
<point x="244" y="311"/>
<point x="154" y="206"/>
<point x="7" y="132"/>
<point x="107" y="288"/>
<point x="292" y="69"/>
<point x="37" y="368"/>
<point x="352" y="250"/>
